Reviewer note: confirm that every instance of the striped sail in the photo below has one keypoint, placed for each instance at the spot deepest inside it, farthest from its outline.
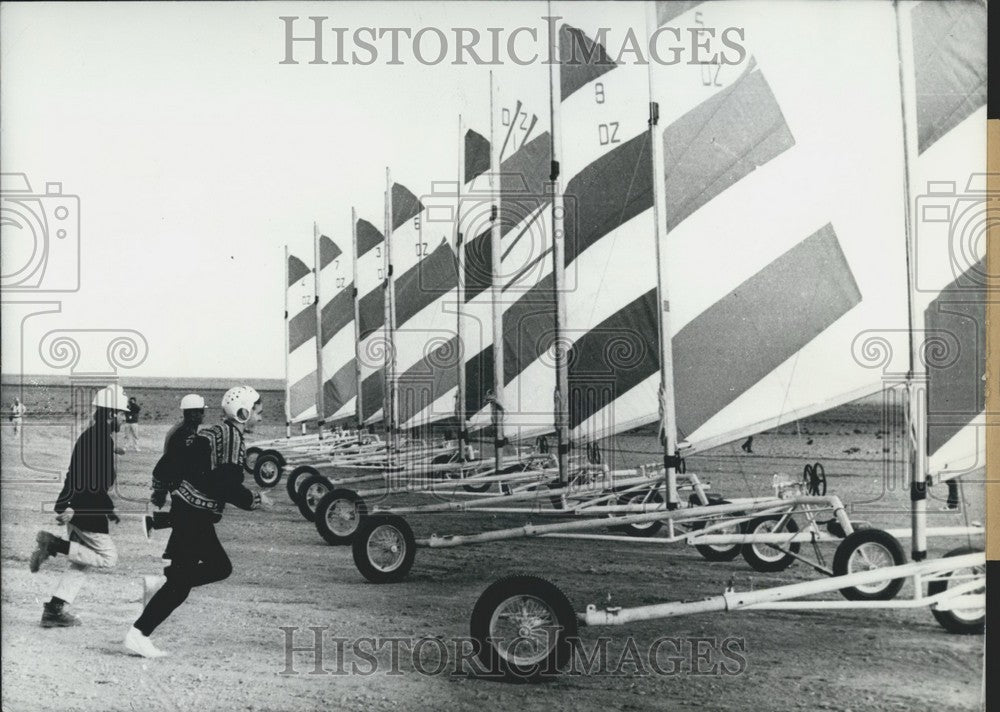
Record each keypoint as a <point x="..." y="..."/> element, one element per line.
<point x="522" y="146"/>
<point x="371" y="318"/>
<point x="606" y="174"/>
<point x="785" y="245"/>
<point x="470" y="206"/>
<point x="300" y="316"/>
<point x="337" y="331"/>
<point x="424" y="338"/>
<point x="943" y="52"/>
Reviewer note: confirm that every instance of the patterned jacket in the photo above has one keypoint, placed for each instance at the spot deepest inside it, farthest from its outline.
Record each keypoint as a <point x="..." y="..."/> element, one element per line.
<point x="214" y="472"/>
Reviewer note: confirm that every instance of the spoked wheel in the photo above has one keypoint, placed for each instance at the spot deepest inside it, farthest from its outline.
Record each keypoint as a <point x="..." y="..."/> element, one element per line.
<point x="252" y="453"/>
<point x="296" y="477"/>
<point x="338" y="516"/>
<point x="814" y="477"/>
<point x="384" y="548"/>
<point x="769" y="558"/>
<point x="313" y="489"/>
<point x="650" y="496"/>
<point x="719" y="552"/>
<point x="267" y="469"/>
<point x="523" y="628"/>
<point x="869" y="550"/>
<point x="964" y="621"/>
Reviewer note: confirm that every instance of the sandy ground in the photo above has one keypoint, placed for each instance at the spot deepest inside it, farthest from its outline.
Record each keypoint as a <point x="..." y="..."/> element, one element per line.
<point x="228" y="648"/>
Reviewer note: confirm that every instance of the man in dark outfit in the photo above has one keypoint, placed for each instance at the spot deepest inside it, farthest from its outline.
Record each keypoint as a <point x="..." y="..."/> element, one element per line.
<point x="169" y="470"/>
<point x="85" y="507"/>
<point x="132" y="422"/>
<point x="214" y="476"/>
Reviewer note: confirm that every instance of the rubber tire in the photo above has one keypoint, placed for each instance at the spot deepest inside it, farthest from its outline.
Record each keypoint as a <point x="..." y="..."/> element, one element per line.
<point x="251" y="458"/>
<point x="295" y="477"/>
<point x="762" y="565"/>
<point x="634" y="530"/>
<point x="303" y="502"/>
<point x="330" y="536"/>
<point x="263" y="459"/>
<point x="948" y="620"/>
<point x="848" y="546"/>
<point x="710" y="553"/>
<point x="500" y="591"/>
<point x="359" y="548"/>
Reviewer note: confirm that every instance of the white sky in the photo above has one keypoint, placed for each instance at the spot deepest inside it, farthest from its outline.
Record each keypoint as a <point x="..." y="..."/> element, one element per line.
<point x="196" y="156"/>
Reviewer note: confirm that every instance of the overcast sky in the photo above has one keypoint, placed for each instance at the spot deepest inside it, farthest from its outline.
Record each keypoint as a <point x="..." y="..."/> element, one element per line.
<point x="197" y="155"/>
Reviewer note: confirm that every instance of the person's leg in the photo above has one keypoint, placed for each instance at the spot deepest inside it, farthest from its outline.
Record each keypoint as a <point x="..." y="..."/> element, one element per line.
<point x="215" y="564"/>
<point x="184" y="546"/>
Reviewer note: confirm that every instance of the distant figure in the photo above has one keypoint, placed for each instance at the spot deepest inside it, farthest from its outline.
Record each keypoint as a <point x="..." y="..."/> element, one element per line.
<point x="17" y="411"/>
<point x="132" y="423"/>
<point x="85" y="507"/>
<point x="747" y="446"/>
<point x="953" y="495"/>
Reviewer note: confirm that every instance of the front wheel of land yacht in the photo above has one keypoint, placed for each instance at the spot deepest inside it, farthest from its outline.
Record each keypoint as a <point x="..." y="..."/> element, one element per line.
<point x="767" y="558"/>
<point x="719" y="552"/>
<point x="312" y="490"/>
<point x="523" y="628"/>
<point x="384" y="548"/>
<point x="252" y="452"/>
<point x="338" y="515"/>
<point x="640" y="529"/>
<point x="267" y="469"/>
<point x="869" y="550"/>
<point x="296" y="477"/>
<point x="964" y="621"/>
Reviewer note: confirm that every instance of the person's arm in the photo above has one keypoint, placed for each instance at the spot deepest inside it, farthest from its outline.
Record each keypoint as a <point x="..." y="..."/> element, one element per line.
<point x="231" y="489"/>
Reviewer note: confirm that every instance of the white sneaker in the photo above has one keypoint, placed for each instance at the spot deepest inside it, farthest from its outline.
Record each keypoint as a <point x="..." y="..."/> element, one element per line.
<point x="150" y="585"/>
<point x="139" y="644"/>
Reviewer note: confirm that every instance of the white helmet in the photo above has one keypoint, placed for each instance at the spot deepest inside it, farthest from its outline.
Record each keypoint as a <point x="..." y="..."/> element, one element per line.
<point x="192" y="401"/>
<point x="111" y="397"/>
<point x="238" y="403"/>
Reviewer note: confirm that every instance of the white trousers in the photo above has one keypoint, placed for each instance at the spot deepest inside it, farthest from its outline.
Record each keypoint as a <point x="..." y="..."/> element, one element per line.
<point x="86" y="550"/>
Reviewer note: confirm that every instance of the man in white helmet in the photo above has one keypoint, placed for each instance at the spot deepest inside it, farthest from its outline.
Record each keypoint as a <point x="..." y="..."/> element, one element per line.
<point x="214" y="477"/>
<point x="85" y="507"/>
<point x="169" y="470"/>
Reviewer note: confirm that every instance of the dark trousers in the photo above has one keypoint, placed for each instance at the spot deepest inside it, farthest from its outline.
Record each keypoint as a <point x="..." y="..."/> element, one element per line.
<point x="197" y="559"/>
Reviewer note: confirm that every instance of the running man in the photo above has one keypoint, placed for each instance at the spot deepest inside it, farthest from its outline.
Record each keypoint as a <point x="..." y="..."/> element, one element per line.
<point x="213" y="477"/>
<point x="85" y="507"/>
<point x="168" y="472"/>
<point x="132" y="422"/>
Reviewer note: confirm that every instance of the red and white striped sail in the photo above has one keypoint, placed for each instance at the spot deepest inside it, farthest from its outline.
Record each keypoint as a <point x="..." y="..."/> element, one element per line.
<point x="943" y="53"/>
<point x="372" y="343"/>
<point x="336" y="287"/>
<point x="300" y="317"/>
<point x="523" y="267"/>
<point x="785" y="244"/>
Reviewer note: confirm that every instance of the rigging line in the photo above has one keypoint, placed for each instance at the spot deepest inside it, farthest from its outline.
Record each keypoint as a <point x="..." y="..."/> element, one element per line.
<point x="506" y="139"/>
<point x="742" y="472"/>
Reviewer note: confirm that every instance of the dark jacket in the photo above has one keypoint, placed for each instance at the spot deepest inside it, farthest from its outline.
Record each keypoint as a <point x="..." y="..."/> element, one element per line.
<point x="89" y="479"/>
<point x="171" y="467"/>
<point x="214" y="475"/>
